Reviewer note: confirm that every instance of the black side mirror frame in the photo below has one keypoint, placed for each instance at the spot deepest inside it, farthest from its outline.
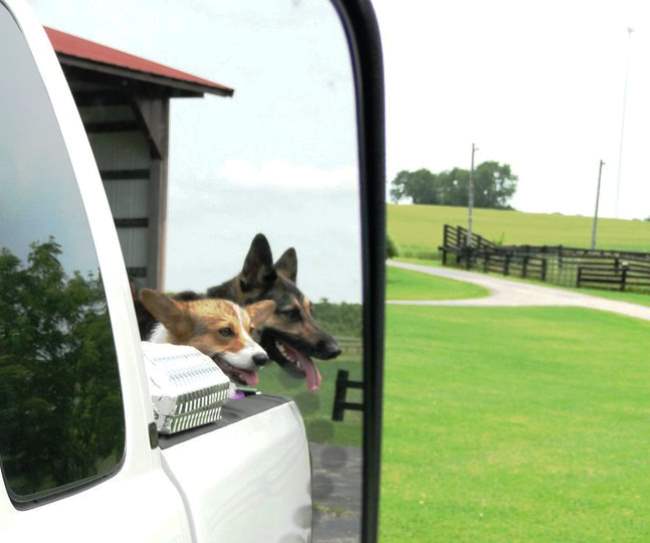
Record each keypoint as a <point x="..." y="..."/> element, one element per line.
<point x="362" y="31"/>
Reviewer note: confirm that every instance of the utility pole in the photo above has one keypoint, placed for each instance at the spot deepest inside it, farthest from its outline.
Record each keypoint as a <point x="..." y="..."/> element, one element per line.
<point x="595" y="225"/>
<point x="620" y="142"/>
<point x="470" y="199"/>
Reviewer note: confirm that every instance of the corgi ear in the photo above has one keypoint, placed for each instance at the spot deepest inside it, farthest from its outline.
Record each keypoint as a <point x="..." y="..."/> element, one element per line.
<point x="258" y="267"/>
<point x="168" y="312"/>
<point x="260" y="311"/>
<point x="287" y="264"/>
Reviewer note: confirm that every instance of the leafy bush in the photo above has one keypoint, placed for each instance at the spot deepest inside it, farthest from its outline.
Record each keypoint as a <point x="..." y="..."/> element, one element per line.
<point x="339" y="319"/>
<point x="392" y="250"/>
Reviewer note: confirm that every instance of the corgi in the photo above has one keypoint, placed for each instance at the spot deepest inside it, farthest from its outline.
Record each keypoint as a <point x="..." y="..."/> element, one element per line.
<point x="218" y="328"/>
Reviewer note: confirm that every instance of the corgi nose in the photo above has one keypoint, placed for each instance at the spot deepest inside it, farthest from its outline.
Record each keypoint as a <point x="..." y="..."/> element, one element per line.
<point x="260" y="359"/>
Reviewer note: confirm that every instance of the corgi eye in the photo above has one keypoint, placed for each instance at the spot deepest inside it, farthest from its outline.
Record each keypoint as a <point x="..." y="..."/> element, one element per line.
<point x="226" y="332"/>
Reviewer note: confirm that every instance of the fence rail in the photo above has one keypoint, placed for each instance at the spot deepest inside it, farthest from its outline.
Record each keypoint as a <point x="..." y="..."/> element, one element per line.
<point x="567" y="266"/>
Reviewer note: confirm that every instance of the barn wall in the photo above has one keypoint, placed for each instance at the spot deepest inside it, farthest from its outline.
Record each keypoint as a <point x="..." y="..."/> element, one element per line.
<point x="123" y="154"/>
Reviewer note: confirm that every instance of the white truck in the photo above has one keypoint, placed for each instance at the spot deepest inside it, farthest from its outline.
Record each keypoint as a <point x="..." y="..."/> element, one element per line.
<point x="80" y="455"/>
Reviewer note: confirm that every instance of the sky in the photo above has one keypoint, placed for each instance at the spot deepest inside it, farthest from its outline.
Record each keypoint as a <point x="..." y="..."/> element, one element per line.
<point x="538" y="85"/>
<point x="280" y="157"/>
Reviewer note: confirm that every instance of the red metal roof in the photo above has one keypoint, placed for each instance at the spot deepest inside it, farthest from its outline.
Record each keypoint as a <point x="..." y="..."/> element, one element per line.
<point x="74" y="46"/>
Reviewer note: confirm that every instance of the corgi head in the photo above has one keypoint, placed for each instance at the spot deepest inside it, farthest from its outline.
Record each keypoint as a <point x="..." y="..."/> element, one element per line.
<point x="219" y="329"/>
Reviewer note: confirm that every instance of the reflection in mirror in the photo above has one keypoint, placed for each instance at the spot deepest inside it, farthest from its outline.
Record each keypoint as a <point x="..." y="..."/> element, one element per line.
<point x="238" y="209"/>
<point x="61" y="417"/>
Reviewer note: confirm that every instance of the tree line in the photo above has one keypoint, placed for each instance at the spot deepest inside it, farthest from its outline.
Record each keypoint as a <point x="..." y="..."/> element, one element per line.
<point x="494" y="186"/>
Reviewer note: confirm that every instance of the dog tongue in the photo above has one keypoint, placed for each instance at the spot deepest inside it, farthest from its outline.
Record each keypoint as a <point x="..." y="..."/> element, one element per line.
<point x="312" y="375"/>
<point x="251" y="378"/>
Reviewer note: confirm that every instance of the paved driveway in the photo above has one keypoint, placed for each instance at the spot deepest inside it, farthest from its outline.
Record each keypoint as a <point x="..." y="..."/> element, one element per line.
<point x="336" y="493"/>
<point x="505" y="292"/>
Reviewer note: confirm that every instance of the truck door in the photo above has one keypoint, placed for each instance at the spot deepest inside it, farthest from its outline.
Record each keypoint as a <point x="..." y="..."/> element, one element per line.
<point x="77" y="463"/>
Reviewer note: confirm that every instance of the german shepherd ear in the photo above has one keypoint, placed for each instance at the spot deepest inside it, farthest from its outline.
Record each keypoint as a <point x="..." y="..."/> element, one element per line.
<point x="258" y="267"/>
<point x="260" y="311"/>
<point x="167" y="311"/>
<point x="287" y="264"/>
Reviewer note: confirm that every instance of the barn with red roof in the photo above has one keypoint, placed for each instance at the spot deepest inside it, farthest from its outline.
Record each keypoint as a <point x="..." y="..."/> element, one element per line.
<point x="124" y="101"/>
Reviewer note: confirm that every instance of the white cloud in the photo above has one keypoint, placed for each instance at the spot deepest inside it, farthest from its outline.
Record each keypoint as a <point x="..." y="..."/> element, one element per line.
<point x="282" y="174"/>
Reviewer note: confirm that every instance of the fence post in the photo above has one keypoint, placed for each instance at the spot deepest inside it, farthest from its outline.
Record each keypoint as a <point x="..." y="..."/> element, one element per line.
<point x="544" y="266"/>
<point x="506" y="265"/>
<point x="617" y="263"/>
<point x="623" y="278"/>
<point x="579" y="277"/>
<point x="524" y="269"/>
<point x="486" y="262"/>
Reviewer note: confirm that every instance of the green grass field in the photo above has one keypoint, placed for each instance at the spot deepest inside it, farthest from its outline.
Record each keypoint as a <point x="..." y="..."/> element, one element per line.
<point x="344" y="322"/>
<point x="417" y="230"/>
<point x="410" y="285"/>
<point x="515" y="425"/>
<point x="316" y="407"/>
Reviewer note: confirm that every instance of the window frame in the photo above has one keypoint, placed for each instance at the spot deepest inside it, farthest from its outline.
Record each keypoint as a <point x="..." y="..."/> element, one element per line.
<point x="362" y="30"/>
<point x="137" y="450"/>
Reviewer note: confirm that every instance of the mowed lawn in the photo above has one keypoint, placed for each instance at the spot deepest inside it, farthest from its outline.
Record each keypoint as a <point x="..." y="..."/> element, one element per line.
<point x="316" y="407"/>
<point x="417" y="229"/>
<point x="411" y="285"/>
<point x="515" y="425"/>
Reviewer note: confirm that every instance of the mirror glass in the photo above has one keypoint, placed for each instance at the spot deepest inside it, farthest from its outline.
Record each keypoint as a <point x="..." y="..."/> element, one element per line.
<point x="225" y="135"/>
<point x="58" y="369"/>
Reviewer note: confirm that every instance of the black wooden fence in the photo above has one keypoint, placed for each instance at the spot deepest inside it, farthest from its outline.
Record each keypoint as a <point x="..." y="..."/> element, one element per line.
<point x="557" y="264"/>
<point x="626" y="275"/>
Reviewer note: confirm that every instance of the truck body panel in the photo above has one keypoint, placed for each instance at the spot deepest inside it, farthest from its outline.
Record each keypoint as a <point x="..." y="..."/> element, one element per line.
<point x="248" y="481"/>
<point x="144" y="508"/>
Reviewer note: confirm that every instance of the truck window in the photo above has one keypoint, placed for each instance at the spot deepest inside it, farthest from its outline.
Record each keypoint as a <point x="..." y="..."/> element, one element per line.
<point x="61" y="414"/>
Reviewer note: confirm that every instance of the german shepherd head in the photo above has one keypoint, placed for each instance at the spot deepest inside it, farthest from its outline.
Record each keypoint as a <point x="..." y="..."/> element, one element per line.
<point x="219" y="329"/>
<point x="290" y="335"/>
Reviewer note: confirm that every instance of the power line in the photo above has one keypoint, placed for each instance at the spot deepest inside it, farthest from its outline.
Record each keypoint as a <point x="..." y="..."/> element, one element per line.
<point x="620" y="143"/>
<point x="470" y="199"/>
<point x="595" y="225"/>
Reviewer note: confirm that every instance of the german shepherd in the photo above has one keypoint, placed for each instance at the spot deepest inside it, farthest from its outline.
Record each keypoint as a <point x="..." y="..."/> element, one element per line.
<point x="219" y="329"/>
<point x="290" y="336"/>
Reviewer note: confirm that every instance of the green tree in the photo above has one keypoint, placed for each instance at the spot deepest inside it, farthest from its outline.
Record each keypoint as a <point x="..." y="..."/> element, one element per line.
<point x="494" y="186"/>
<point x="419" y="185"/>
<point x="58" y="372"/>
